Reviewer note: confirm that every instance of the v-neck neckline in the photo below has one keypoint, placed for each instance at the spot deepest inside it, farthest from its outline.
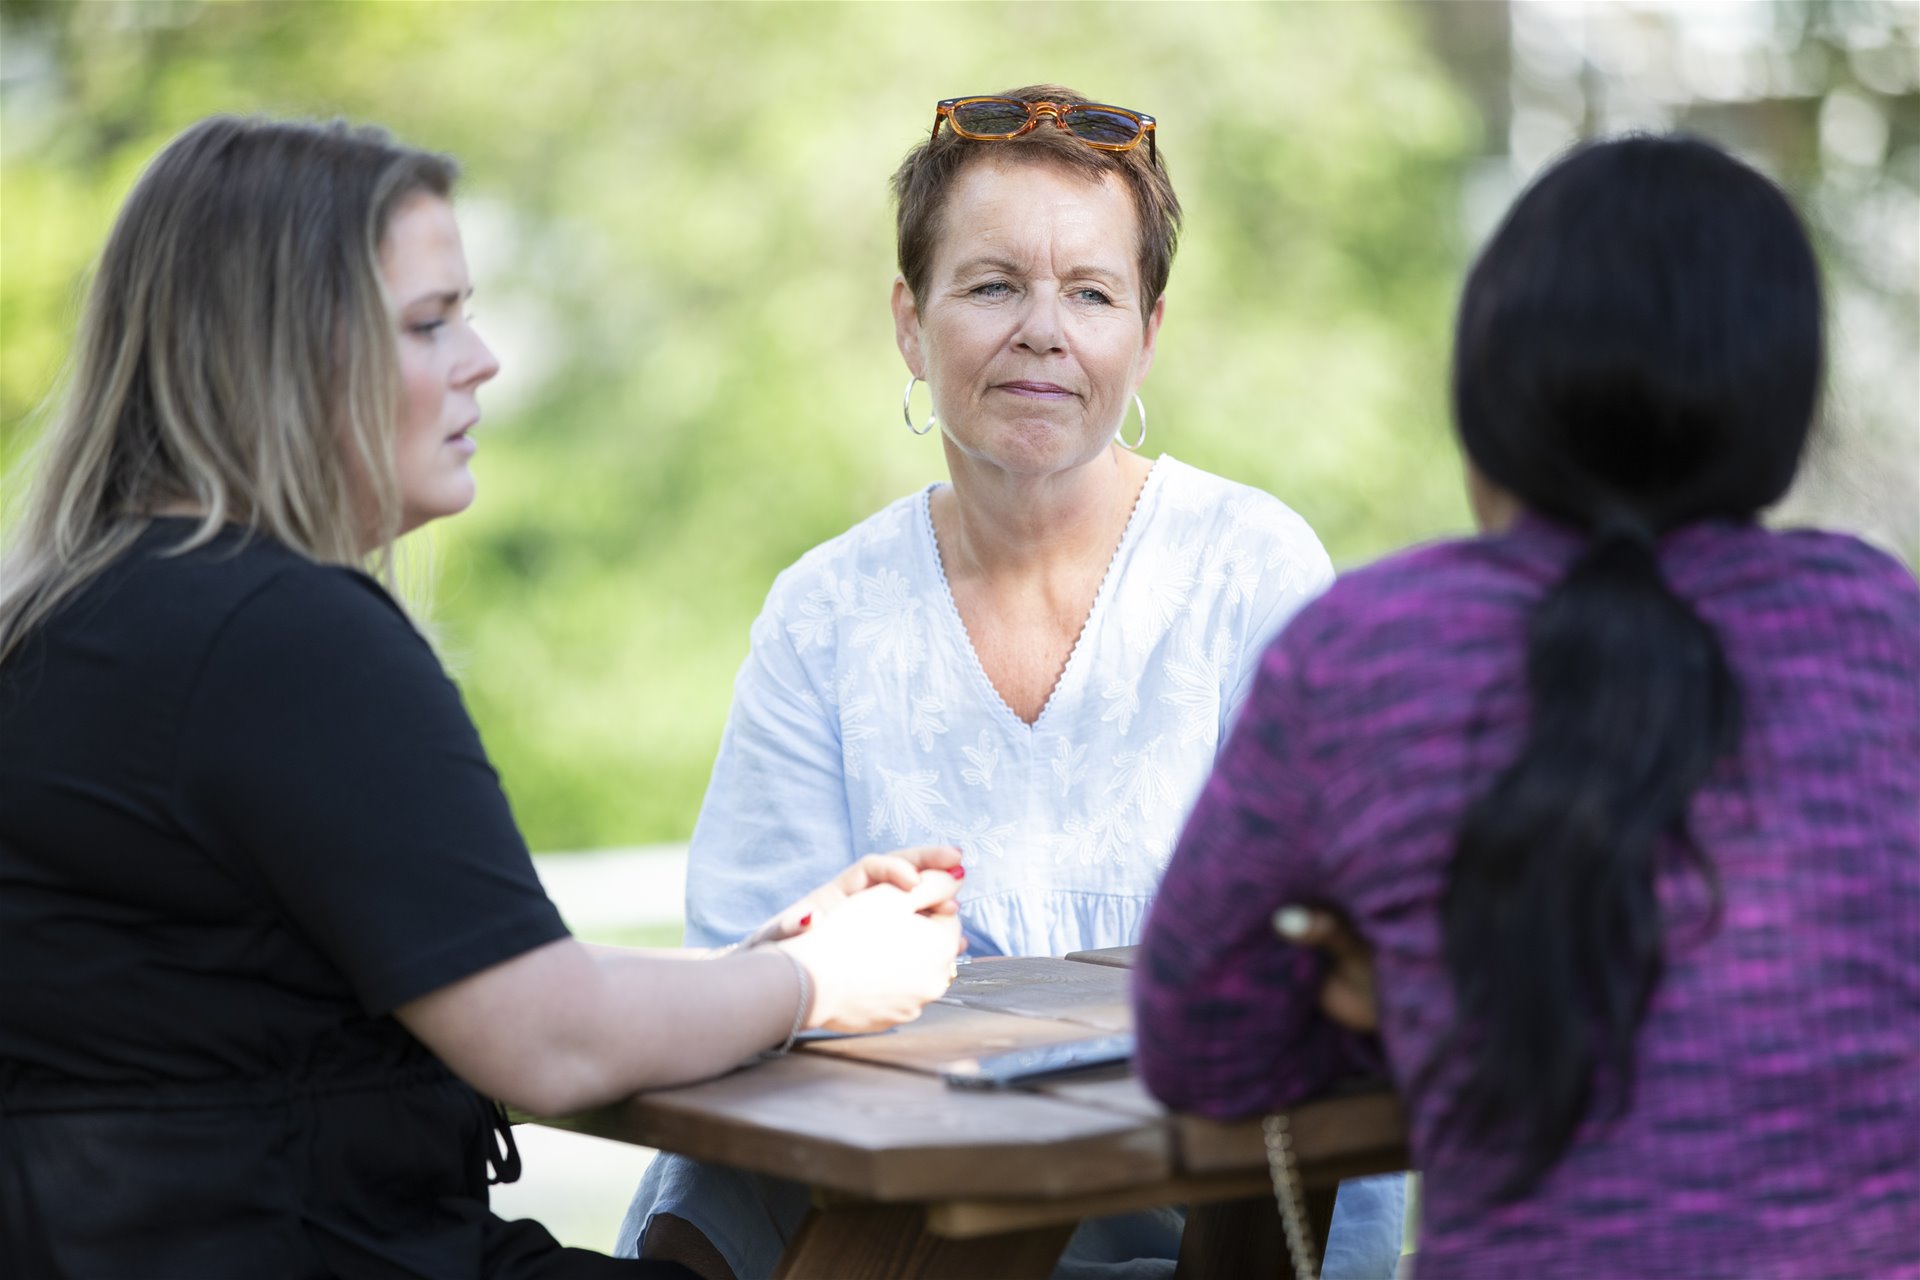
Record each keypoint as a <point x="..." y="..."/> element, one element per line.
<point x="994" y="697"/>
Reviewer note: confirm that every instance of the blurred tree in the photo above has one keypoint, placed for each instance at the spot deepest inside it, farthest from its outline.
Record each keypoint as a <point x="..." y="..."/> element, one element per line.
<point x="1825" y="96"/>
<point x="678" y="219"/>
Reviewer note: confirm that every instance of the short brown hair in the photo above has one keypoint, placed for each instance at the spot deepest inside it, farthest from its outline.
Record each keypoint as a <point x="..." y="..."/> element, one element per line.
<point x="921" y="184"/>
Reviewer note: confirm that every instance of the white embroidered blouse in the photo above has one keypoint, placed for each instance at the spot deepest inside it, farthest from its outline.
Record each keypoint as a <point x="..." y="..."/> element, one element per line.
<point x="862" y="721"/>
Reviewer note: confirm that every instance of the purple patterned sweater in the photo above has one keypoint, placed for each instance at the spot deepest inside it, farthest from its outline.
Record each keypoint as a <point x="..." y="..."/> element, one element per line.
<point x="1775" y="1125"/>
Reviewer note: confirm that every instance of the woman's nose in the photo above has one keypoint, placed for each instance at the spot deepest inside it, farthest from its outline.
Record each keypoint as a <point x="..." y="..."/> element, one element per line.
<point x="1040" y="328"/>
<point x="481" y="364"/>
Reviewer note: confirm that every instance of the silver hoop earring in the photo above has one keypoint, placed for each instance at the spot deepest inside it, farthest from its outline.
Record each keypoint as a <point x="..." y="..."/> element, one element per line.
<point x="1120" y="436"/>
<point x="906" y="410"/>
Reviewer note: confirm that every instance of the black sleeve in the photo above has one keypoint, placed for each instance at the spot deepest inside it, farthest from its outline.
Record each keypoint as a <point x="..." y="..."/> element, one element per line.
<point x="327" y="752"/>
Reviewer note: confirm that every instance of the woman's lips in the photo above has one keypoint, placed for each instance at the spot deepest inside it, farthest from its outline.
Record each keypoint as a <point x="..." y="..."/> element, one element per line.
<point x="1040" y="390"/>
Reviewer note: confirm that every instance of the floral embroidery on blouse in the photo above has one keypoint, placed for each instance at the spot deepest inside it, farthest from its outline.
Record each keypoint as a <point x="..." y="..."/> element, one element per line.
<point x="862" y="721"/>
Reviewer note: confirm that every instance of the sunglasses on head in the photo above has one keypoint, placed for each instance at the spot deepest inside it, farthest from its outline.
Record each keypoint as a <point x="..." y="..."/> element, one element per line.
<point x="998" y="119"/>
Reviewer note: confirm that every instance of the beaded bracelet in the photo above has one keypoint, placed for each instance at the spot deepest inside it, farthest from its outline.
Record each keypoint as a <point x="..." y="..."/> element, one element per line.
<point x="800" y="1012"/>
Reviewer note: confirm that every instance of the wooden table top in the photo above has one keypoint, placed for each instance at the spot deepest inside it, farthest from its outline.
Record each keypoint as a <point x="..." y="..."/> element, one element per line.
<point x="868" y="1117"/>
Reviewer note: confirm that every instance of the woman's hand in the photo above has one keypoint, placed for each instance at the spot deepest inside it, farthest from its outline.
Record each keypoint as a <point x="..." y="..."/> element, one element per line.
<point x="901" y="869"/>
<point x="560" y="1028"/>
<point x="880" y="953"/>
<point x="1347" y="995"/>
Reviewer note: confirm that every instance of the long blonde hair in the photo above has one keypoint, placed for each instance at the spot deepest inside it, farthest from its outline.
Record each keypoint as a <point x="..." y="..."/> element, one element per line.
<point x="236" y="357"/>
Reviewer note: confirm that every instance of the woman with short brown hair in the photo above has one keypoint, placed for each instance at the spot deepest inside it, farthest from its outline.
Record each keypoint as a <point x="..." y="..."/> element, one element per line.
<point x="1035" y="661"/>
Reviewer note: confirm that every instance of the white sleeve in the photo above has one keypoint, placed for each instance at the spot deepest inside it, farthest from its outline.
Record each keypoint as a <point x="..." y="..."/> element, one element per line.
<point x="1298" y="572"/>
<point x="774" y="823"/>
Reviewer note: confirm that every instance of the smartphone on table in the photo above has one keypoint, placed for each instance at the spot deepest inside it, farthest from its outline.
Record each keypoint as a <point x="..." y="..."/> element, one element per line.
<point x="1022" y="1066"/>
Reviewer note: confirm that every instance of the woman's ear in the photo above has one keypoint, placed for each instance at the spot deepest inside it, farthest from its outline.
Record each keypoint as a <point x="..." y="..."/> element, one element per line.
<point x="906" y="328"/>
<point x="1154" y="317"/>
<point x="1494" y="509"/>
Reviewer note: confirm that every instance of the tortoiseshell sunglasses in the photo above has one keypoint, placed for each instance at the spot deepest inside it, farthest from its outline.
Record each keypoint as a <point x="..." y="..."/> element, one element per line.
<point x="998" y="119"/>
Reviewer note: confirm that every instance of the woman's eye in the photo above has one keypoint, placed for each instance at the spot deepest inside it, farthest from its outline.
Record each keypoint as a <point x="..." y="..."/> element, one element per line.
<point x="426" y="328"/>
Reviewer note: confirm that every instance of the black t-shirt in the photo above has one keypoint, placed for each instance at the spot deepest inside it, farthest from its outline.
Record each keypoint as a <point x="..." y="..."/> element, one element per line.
<point x="243" y="815"/>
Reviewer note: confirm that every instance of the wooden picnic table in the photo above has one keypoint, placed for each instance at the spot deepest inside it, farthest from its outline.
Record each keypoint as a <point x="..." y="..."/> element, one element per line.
<point x="913" y="1178"/>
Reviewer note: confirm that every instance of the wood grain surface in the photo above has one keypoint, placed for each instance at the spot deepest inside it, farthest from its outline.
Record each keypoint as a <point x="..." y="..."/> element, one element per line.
<point x="1112" y="957"/>
<point x="1339" y="1137"/>
<point x="946" y="1032"/>
<point x="962" y="1218"/>
<point x="1093" y="994"/>
<point x="914" y="1178"/>
<point x="890" y="1135"/>
<point x="1115" y="1089"/>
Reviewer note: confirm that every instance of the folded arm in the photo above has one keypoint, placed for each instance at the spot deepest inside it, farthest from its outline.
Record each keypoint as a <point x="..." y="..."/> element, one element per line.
<point x="1228" y="1015"/>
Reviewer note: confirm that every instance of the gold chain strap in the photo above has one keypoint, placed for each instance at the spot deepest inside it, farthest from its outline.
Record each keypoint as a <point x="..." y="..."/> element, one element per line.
<point x="1286" y="1192"/>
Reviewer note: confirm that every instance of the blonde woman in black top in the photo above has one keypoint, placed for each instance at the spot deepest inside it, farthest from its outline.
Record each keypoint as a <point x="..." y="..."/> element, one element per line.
<point x="269" y="938"/>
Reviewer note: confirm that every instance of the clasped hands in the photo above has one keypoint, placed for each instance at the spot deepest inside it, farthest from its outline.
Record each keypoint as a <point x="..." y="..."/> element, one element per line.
<point x="879" y="939"/>
<point x="903" y="906"/>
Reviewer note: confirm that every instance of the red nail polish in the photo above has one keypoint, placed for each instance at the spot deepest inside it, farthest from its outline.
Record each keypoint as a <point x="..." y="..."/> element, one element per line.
<point x="806" y="919"/>
<point x="958" y="873"/>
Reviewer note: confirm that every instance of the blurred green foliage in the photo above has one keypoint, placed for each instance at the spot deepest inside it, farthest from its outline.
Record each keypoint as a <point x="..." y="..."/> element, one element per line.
<point x="678" y="219"/>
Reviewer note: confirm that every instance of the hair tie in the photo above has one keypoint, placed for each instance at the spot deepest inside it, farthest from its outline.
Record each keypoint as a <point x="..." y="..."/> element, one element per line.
<point x="1624" y="526"/>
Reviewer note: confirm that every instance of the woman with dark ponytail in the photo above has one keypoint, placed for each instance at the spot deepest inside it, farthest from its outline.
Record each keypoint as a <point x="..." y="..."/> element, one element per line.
<point x="1611" y="815"/>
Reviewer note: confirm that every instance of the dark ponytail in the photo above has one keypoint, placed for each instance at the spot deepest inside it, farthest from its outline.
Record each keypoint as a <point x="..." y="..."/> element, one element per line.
<point x="1638" y="348"/>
